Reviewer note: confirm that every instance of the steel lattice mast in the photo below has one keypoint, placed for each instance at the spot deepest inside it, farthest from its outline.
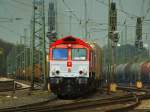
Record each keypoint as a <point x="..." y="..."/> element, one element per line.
<point x="38" y="49"/>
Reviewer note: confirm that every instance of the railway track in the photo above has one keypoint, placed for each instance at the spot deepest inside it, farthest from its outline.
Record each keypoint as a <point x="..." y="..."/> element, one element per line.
<point x="128" y="88"/>
<point x="113" y="104"/>
<point x="71" y="105"/>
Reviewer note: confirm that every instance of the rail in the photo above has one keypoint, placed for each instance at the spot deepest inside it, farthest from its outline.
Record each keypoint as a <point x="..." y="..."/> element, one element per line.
<point x="131" y="100"/>
<point x="76" y="105"/>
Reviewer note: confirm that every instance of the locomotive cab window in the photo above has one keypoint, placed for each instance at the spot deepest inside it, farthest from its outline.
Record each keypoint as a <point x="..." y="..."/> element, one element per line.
<point x="78" y="54"/>
<point x="60" y="54"/>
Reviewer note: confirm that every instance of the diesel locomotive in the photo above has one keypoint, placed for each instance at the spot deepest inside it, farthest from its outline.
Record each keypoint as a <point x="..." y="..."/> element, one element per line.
<point x="75" y="66"/>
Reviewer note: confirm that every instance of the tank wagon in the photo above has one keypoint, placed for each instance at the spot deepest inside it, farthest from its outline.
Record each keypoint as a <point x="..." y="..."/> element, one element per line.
<point x="75" y="66"/>
<point x="133" y="72"/>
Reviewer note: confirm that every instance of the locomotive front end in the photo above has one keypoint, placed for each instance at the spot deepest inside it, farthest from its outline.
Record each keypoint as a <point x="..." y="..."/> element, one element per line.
<point x="69" y="67"/>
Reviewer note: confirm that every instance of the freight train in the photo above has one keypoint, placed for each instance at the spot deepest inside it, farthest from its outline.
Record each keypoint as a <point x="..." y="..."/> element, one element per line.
<point x="75" y="66"/>
<point x="19" y="65"/>
<point x="26" y="73"/>
<point x="133" y="72"/>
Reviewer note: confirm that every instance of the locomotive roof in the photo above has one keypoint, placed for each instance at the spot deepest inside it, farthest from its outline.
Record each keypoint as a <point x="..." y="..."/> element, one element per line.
<point x="71" y="40"/>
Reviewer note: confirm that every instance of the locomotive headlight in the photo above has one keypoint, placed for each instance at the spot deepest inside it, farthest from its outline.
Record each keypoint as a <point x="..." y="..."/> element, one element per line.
<point x="57" y="71"/>
<point x="83" y="70"/>
<point x="80" y="72"/>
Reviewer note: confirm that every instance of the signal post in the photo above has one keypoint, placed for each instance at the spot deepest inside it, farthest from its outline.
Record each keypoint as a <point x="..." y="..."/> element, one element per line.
<point x="113" y="38"/>
<point x="139" y="46"/>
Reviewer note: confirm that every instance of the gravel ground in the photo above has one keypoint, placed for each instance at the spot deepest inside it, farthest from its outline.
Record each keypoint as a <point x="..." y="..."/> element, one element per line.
<point x="22" y="97"/>
<point x="145" y="104"/>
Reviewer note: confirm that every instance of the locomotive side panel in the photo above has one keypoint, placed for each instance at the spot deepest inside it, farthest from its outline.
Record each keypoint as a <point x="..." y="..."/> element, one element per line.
<point x="98" y="62"/>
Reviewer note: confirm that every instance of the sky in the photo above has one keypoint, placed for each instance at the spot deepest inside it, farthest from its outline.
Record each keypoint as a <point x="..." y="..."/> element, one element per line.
<point x="97" y="13"/>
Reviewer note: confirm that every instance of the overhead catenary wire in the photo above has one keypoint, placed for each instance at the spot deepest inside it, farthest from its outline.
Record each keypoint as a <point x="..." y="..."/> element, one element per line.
<point x="147" y="12"/>
<point x="26" y="5"/>
<point x="22" y="3"/>
<point x="131" y="16"/>
<point x="4" y="7"/>
<point x="4" y="27"/>
<point x="74" y="15"/>
<point x="77" y="18"/>
<point x="15" y="7"/>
